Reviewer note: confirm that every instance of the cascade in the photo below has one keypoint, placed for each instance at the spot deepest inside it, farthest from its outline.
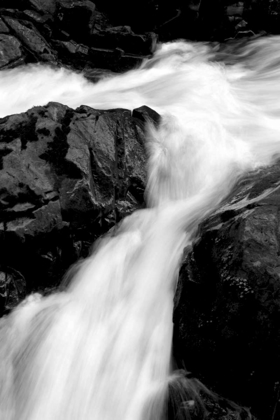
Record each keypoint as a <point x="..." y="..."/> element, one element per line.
<point x="101" y="349"/>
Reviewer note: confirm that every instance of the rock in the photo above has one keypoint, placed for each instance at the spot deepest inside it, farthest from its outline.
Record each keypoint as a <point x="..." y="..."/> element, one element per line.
<point x="114" y="60"/>
<point x="146" y="114"/>
<point x="3" y="28"/>
<point x="123" y="37"/>
<point x="72" y="52"/>
<point x="12" y="288"/>
<point x="81" y="21"/>
<point x="228" y="298"/>
<point x="30" y="37"/>
<point x="76" y="17"/>
<point x="10" y="51"/>
<point x="235" y="9"/>
<point x="188" y="398"/>
<point x="63" y="32"/>
<point x="36" y="17"/>
<point x="101" y="21"/>
<point x="66" y="177"/>
<point x="43" y="6"/>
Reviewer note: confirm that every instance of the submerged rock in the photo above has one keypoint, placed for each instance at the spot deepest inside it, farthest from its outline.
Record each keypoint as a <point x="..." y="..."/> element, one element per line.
<point x="227" y="306"/>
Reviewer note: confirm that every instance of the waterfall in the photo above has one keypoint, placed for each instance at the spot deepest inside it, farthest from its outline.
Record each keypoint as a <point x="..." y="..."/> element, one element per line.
<point x="101" y="349"/>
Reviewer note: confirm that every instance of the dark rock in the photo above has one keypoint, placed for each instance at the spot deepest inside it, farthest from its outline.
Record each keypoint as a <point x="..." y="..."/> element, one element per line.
<point x="3" y="28"/>
<point x="123" y="37"/>
<point x="66" y="177"/>
<point x="114" y="60"/>
<point x="94" y="74"/>
<point x="43" y="6"/>
<point x="64" y="32"/>
<point x="72" y="52"/>
<point x="30" y="37"/>
<point x="236" y="9"/>
<point x="36" y="17"/>
<point x="143" y="16"/>
<point x="228" y="299"/>
<point x="214" y="20"/>
<point x="11" y="51"/>
<point x="146" y="114"/>
<point x="188" y="398"/>
<point x="76" y="17"/>
<point x="12" y="288"/>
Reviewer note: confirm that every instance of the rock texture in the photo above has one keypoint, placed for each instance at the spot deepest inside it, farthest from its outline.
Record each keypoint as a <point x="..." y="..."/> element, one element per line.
<point x="66" y="177"/>
<point x="117" y="35"/>
<point x="68" y="32"/>
<point x="196" y="19"/>
<point x="227" y="307"/>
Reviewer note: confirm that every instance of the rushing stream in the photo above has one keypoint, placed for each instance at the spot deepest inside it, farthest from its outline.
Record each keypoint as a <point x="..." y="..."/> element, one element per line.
<point x="102" y="348"/>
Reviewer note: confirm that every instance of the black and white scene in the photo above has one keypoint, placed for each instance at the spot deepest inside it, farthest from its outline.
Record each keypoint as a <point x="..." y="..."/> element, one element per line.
<point x="139" y="210"/>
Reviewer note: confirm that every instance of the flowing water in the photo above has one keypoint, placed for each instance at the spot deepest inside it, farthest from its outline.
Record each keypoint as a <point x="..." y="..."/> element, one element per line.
<point x="101" y="349"/>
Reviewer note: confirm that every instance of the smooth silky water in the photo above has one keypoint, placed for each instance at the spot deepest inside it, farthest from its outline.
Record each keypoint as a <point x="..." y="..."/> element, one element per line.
<point x="101" y="349"/>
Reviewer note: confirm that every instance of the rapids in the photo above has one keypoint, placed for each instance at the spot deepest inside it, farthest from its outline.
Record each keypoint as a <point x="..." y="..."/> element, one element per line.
<point x="101" y="349"/>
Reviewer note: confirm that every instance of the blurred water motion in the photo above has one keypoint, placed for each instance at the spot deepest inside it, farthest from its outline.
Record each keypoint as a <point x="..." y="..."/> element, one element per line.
<point x="102" y="348"/>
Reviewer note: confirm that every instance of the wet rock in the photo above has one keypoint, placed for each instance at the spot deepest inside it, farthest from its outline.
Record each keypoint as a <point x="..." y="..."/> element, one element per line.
<point x="188" y="398"/>
<point x="101" y="21"/>
<point x="66" y="177"/>
<point x="228" y="299"/>
<point x="12" y="287"/>
<point x="146" y="114"/>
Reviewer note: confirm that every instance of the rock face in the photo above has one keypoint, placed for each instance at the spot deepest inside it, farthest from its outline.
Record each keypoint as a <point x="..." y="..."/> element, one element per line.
<point x="66" y="177"/>
<point x="196" y="19"/>
<point x="227" y="306"/>
<point x="117" y="35"/>
<point x="11" y="50"/>
<point x="67" y="32"/>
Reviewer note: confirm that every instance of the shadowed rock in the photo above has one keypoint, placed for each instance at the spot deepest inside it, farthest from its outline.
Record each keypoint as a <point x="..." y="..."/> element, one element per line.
<point x="66" y="177"/>
<point x="11" y="51"/>
<point x="70" y="33"/>
<point x="228" y="299"/>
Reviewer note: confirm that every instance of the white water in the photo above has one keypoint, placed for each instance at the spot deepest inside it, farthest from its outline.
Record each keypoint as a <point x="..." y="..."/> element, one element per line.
<point x="102" y="349"/>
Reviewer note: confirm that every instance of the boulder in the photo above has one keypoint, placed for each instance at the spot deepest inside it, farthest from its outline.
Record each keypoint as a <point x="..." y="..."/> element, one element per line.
<point x="66" y="177"/>
<point x="33" y="41"/>
<point x="227" y="305"/>
<point x="10" y="51"/>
